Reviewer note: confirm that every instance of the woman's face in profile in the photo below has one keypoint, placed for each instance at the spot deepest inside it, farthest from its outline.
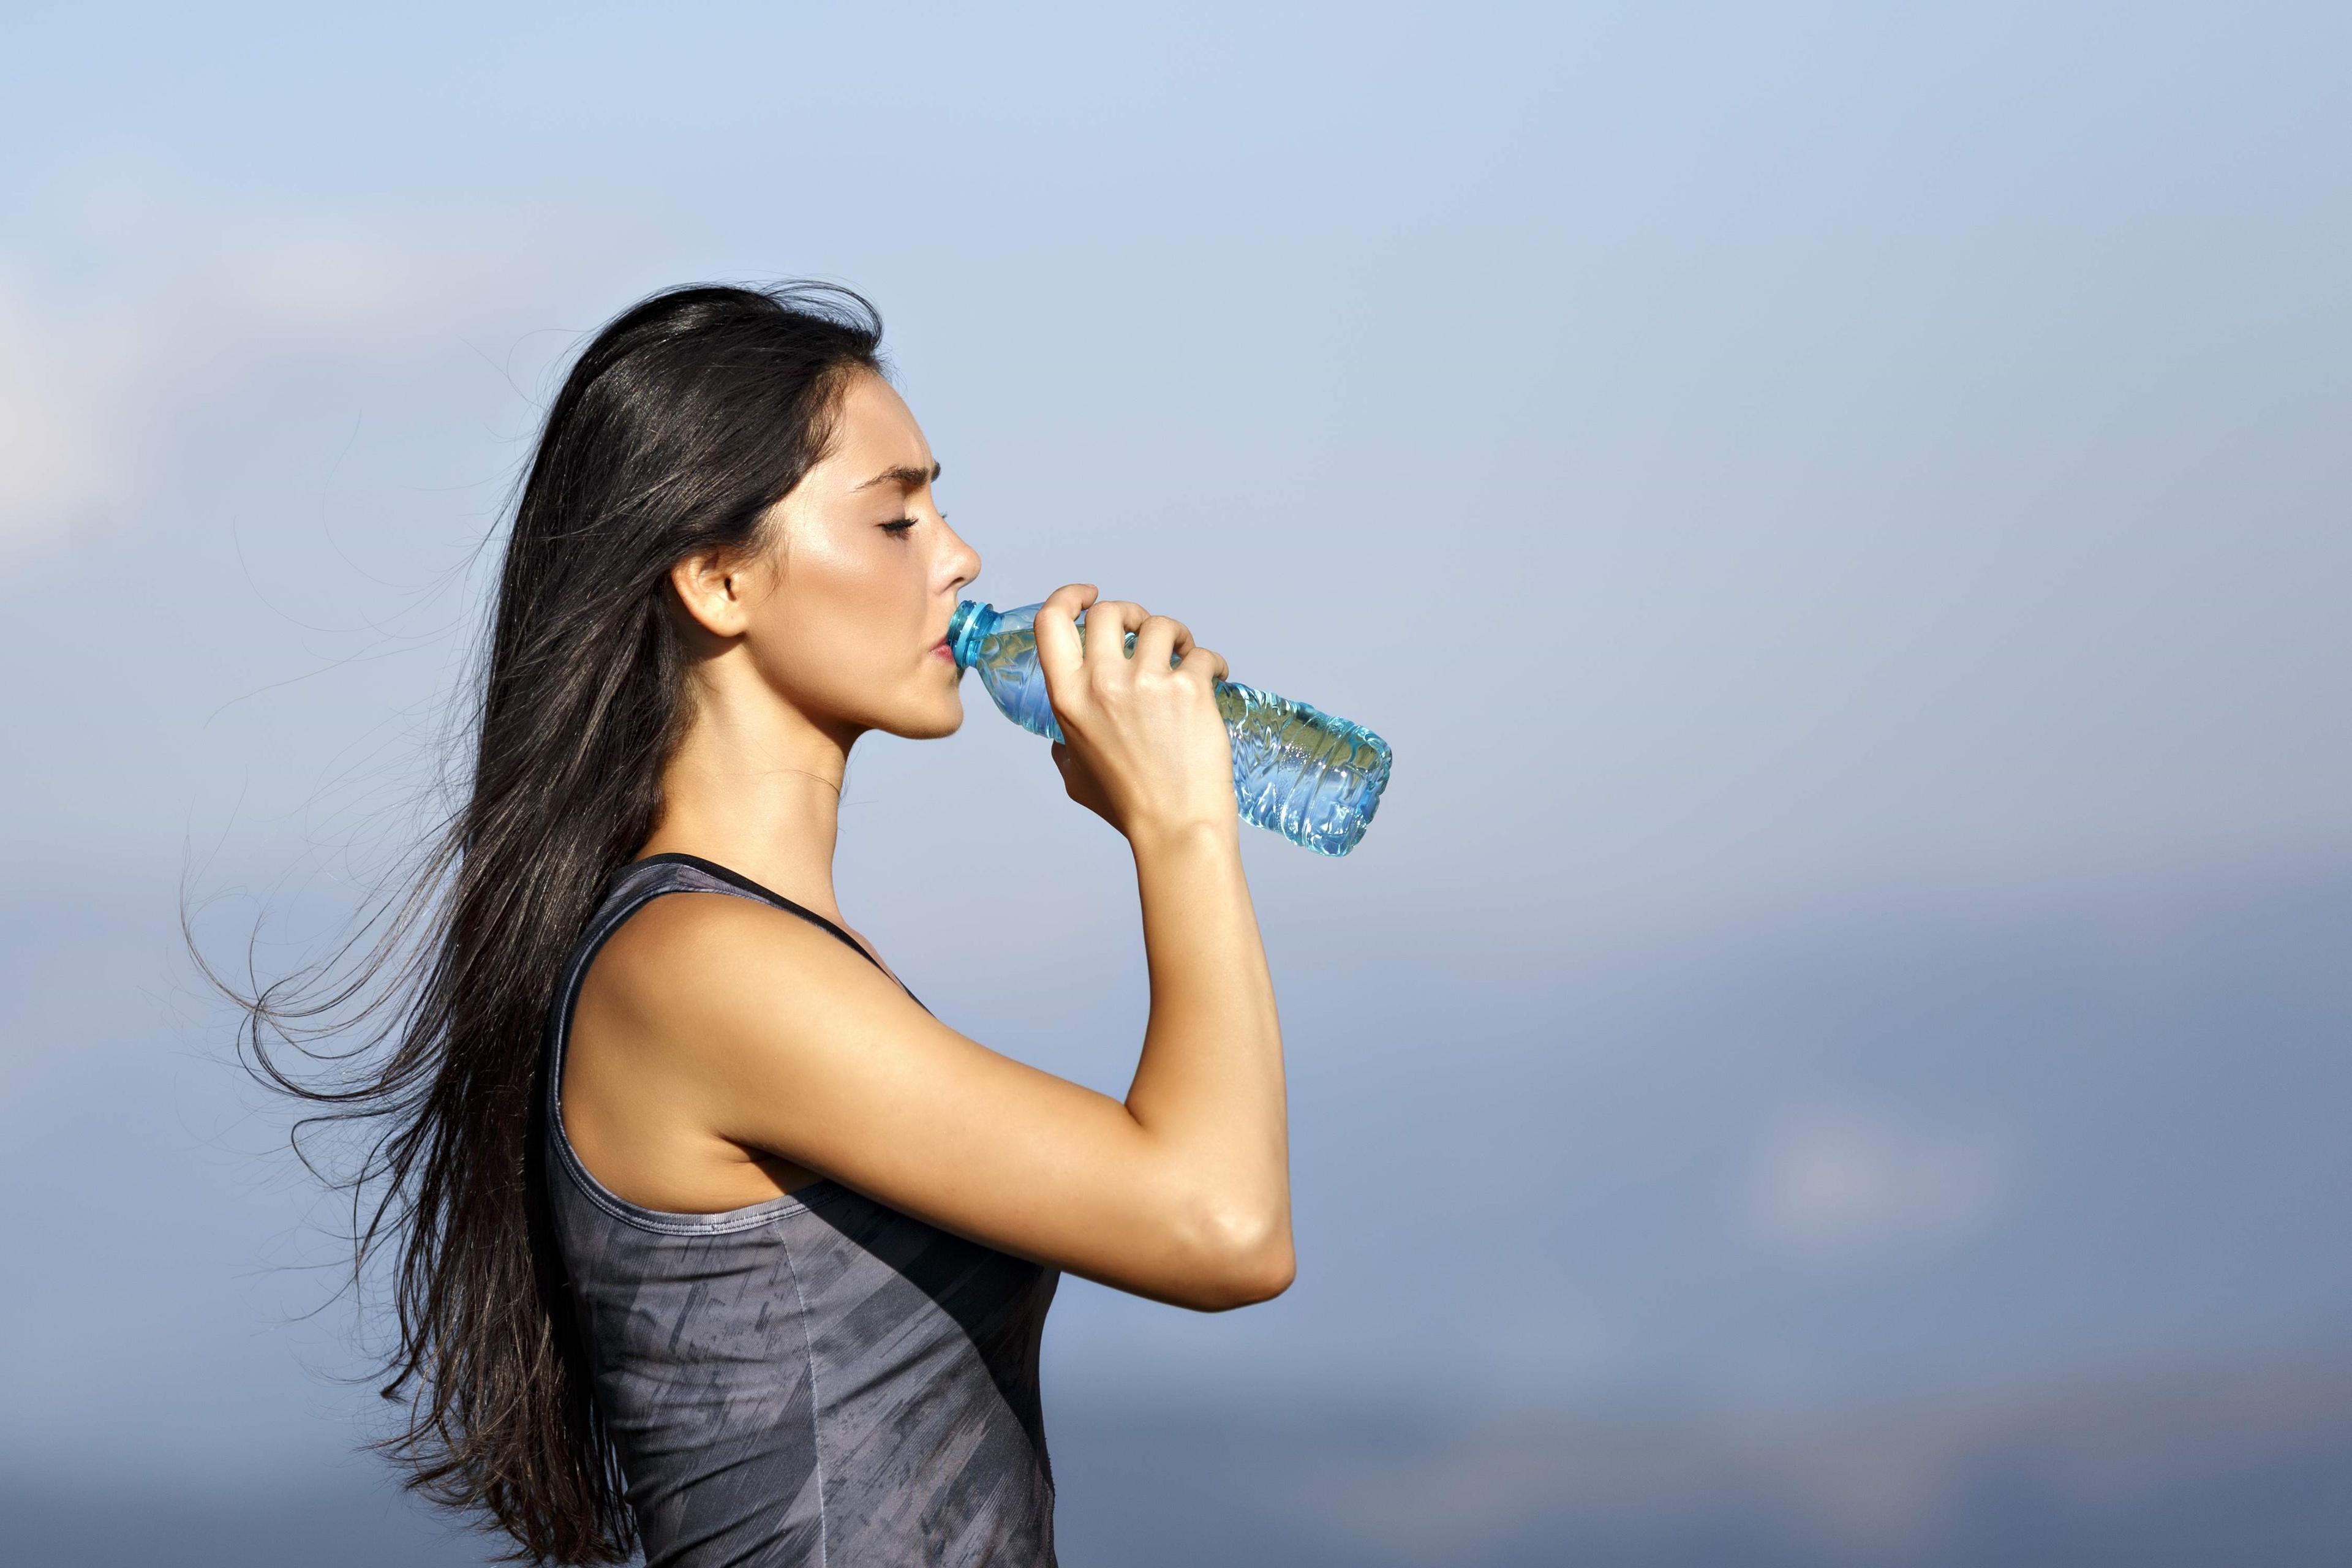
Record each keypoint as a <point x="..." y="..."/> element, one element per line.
<point x="866" y="574"/>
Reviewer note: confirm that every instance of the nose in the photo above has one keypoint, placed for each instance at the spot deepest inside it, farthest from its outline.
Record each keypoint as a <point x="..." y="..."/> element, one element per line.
<point x="965" y="559"/>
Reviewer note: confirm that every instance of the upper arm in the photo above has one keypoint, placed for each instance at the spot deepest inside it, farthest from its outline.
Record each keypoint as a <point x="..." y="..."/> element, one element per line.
<point x="786" y="1038"/>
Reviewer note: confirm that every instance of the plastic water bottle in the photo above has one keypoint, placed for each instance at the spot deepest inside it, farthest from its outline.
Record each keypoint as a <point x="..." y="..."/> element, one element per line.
<point x="1311" y="777"/>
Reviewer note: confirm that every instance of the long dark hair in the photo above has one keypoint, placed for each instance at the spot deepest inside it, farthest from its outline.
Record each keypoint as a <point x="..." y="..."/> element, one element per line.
<point x="681" y="423"/>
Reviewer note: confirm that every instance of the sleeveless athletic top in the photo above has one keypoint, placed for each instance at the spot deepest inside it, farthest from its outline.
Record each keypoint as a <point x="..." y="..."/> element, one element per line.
<point x="818" y="1379"/>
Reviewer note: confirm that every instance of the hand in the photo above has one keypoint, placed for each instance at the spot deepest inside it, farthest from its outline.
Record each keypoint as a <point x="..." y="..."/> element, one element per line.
<point x="1145" y="746"/>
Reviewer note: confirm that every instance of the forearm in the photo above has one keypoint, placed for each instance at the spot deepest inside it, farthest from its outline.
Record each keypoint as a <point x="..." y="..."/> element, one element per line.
<point x="1209" y="1088"/>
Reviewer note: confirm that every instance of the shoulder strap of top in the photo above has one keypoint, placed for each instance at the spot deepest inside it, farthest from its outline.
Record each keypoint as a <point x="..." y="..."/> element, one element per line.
<point x="734" y="879"/>
<point x="628" y="888"/>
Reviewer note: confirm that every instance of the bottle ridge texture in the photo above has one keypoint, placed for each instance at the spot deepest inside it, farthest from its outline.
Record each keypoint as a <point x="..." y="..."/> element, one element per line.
<point x="1311" y="777"/>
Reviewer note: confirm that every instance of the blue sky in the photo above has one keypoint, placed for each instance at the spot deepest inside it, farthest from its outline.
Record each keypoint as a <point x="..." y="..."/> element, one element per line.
<point x="1840" y="513"/>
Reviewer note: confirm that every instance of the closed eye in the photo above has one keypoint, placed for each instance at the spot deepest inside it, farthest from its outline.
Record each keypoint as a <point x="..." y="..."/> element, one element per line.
<point x="899" y="530"/>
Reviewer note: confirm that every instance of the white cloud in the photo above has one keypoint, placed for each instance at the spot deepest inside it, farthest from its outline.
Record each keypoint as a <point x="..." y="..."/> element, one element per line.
<point x="58" y="401"/>
<point x="1838" y="1179"/>
<point x="139" y="294"/>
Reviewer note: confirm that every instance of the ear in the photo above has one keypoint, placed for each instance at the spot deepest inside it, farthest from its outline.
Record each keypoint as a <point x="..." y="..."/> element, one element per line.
<point x="717" y="590"/>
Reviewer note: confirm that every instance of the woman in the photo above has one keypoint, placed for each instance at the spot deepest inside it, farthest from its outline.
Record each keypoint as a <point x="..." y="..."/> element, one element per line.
<point x="711" y="1237"/>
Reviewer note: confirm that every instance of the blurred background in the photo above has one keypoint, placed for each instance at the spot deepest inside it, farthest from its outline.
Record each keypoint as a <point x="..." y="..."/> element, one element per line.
<point x="1833" y="1049"/>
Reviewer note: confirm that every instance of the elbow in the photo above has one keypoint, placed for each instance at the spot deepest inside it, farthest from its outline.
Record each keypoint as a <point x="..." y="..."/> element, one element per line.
<point x="1267" y="1274"/>
<point x="1241" y="1261"/>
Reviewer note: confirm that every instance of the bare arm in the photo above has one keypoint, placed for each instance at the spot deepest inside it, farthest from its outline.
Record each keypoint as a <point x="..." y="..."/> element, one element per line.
<point x="788" y="1040"/>
<point x="1209" y="1087"/>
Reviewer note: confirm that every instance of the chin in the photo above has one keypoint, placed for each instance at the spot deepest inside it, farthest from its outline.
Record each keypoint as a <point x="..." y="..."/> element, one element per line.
<point x="940" y="714"/>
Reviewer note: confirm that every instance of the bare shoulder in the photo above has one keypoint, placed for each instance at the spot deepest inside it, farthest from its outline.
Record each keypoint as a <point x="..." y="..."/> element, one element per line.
<point x="693" y="968"/>
<point x="736" y="1025"/>
<point x="732" y="1020"/>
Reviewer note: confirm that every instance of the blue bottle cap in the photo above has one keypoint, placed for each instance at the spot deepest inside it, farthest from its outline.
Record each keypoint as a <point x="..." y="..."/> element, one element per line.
<point x="966" y="627"/>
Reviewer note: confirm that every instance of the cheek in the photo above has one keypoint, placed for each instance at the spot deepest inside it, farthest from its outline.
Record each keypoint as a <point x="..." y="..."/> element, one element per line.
<point x="844" y="618"/>
<point x="864" y="574"/>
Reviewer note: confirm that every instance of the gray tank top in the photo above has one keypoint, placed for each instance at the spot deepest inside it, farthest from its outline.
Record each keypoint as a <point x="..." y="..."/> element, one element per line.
<point x="818" y="1379"/>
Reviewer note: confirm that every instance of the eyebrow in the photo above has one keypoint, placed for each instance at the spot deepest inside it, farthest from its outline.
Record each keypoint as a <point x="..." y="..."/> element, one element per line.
<point x="905" y="474"/>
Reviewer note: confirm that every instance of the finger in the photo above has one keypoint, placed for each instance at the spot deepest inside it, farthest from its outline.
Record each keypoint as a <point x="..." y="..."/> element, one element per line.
<point x="1107" y="623"/>
<point x="1058" y="653"/>
<point x="1123" y="615"/>
<point x="1207" y="662"/>
<point x="1155" y="643"/>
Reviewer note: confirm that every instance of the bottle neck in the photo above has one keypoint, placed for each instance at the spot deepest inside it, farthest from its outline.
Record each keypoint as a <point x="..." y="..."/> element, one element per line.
<point x="971" y="621"/>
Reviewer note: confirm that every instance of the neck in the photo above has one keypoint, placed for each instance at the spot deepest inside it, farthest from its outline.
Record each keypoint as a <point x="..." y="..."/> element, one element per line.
<point x="755" y="786"/>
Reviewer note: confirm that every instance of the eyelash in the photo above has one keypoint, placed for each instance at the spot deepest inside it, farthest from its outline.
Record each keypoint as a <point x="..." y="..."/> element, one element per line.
<point x="899" y="530"/>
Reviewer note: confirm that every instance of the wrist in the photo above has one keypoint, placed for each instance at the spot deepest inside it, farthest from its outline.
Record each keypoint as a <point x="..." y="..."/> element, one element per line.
<point x="1179" y="838"/>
